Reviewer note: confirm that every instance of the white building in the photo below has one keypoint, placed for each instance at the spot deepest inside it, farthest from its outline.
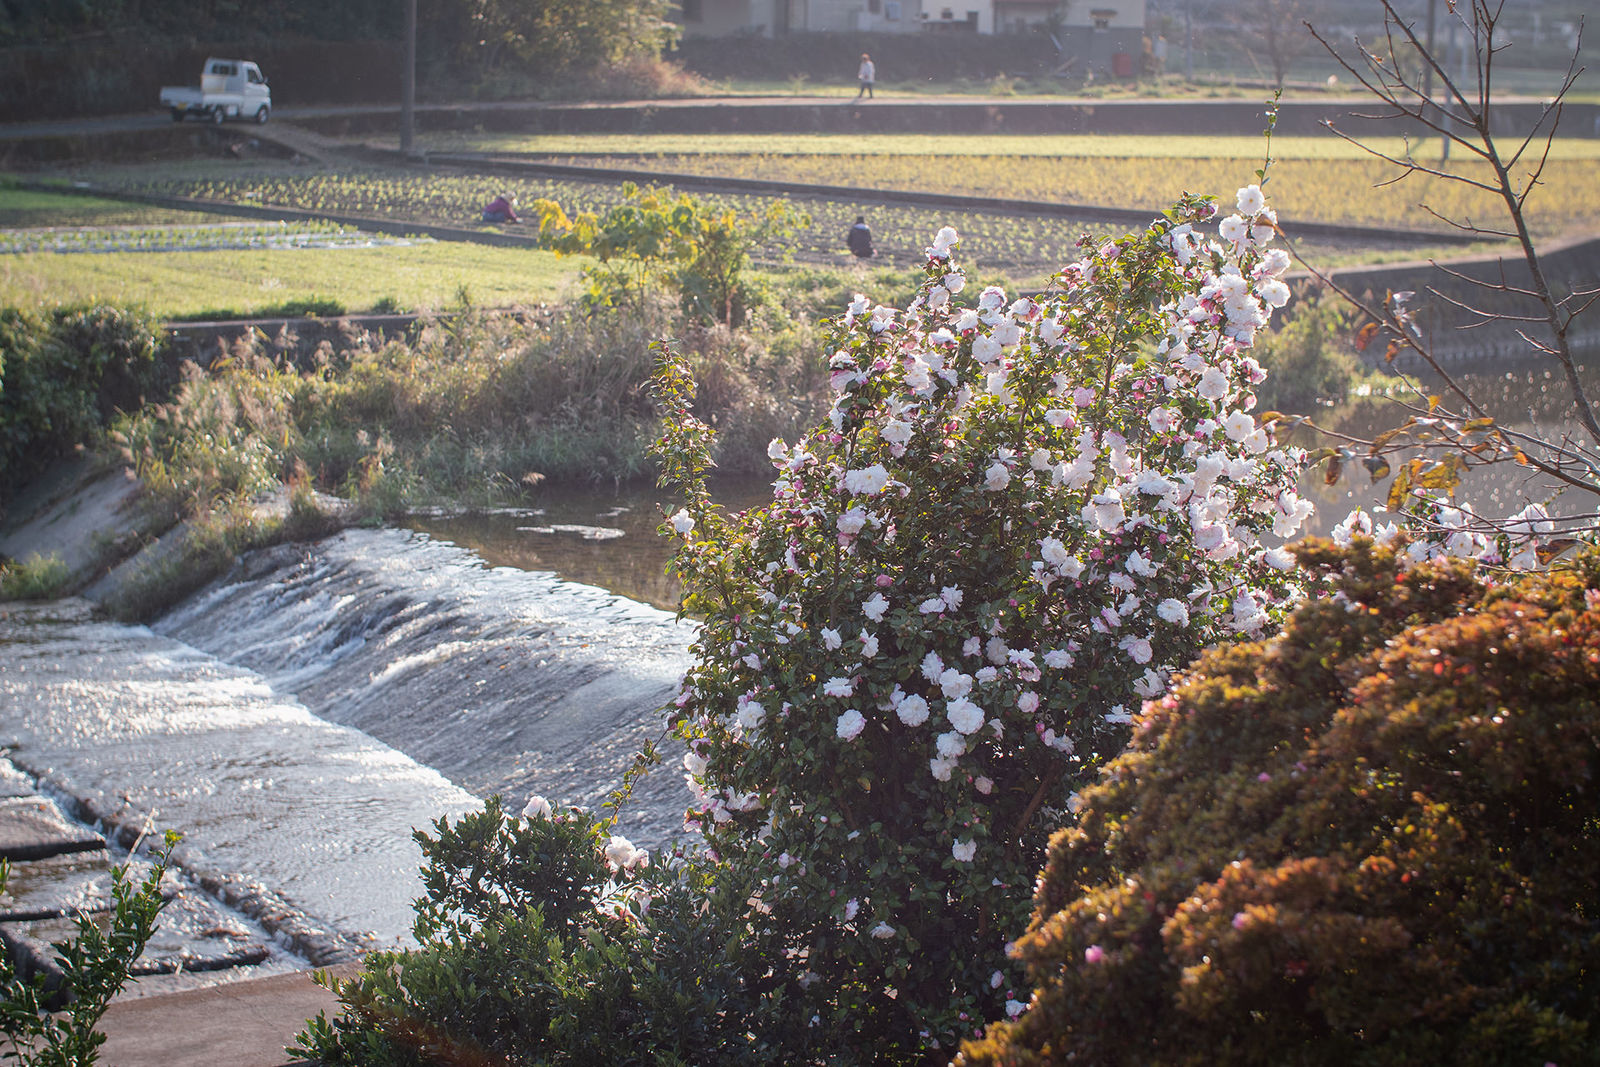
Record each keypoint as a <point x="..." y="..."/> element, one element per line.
<point x="768" y="18"/>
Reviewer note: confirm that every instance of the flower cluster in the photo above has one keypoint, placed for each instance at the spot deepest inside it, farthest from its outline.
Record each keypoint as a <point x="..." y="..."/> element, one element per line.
<point x="1020" y="516"/>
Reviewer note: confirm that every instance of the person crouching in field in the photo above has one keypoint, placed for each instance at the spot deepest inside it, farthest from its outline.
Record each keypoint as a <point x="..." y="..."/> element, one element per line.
<point x="859" y="240"/>
<point x="501" y="209"/>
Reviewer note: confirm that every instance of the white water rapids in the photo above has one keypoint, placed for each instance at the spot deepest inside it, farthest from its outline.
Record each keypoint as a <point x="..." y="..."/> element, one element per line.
<point x="299" y="718"/>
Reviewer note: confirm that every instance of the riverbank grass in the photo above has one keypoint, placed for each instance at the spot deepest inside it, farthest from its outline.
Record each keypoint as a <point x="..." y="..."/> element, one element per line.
<point x="176" y="285"/>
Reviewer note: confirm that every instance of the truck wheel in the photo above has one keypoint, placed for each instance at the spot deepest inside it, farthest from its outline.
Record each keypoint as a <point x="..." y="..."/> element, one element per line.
<point x="217" y="116"/>
<point x="261" y="114"/>
<point x="177" y="114"/>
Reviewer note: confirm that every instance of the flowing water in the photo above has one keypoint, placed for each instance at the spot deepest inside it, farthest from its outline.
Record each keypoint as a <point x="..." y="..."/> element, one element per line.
<point x="299" y="717"/>
<point x="304" y="821"/>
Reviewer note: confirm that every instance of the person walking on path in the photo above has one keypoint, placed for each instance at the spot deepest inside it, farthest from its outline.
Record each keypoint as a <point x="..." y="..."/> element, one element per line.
<point x="866" y="75"/>
<point x="859" y="239"/>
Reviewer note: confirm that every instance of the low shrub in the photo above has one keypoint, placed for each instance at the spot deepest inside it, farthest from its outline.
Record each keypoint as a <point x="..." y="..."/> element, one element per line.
<point x="47" y="1026"/>
<point x="1308" y="359"/>
<point x="63" y="375"/>
<point x="546" y="940"/>
<point x="35" y="578"/>
<point x="1369" y="841"/>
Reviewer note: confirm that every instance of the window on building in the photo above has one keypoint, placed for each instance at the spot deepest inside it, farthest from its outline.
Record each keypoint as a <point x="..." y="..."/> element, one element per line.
<point x="891" y="10"/>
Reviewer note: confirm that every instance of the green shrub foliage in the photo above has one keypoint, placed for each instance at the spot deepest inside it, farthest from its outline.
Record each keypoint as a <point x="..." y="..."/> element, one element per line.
<point x="546" y="940"/>
<point x="1019" y="514"/>
<point x="1369" y="841"/>
<point x="55" y="1026"/>
<point x="63" y="375"/>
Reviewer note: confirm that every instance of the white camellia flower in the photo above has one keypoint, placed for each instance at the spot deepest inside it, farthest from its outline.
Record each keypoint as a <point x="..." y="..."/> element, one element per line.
<point x="838" y="687"/>
<point x="1162" y="420"/>
<point x="751" y="714"/>
<point x="536" y="808"/>
<point x="954" y="684"/>
<point x="950" y="745"/>
<point x="776" y="449"/>
<point x="1250" y="201"/>
<point x="941" y="768"/>
<point x="1058" y="659"/>
<point x="996" y="477"/>
<point x="869" y="645"/>
<point x="1238" y="425"/>
<point x="1174" y="611"/>
<point x="951" y="595"/>
<point x="1279" y="559"/>
<point x="913" y="710"/>
<point x="682" y="522"/>
<point x="1233" y="229"/>
<point x="1138" y="564"/>
<point x="1054" y="552"/>
<point x="1028" y="702"/>
<point x="1213" y="384"/>
<point x="831" y="639"/>
<point x="1274" y="292"/>
<point x="867" y="481"/>
<point x="964" y="851"/>
<point x="896" y="431"/>
<point x="1015" y="1008"/>
<point x="851" y="908"/>
<point x="874" y="607"/>
<point x="955" y="282"/>
<point x="1150" y="684"/>
<point x="851" y="522"/>
<point x="1137" y="648"/>
<point x="621" y="854"/>
<point x="945" y="239"/>
<point x="694" y="764"/>
<point x="1106" y="509"/>
<point x="883" y="931"/>
<point x="850" y="725"/>
<point x="964" y="715"/>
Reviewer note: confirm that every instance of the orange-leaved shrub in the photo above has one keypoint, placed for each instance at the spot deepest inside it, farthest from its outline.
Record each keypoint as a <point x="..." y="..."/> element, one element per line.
<point x="1374" y="839"/>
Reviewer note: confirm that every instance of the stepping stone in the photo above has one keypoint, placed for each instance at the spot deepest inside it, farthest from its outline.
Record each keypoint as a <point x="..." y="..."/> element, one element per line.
<point x="56" y="886"/>
<point x="31" y="828"/>
<point x="192" y="934"/>
<point x="13" y="783"/>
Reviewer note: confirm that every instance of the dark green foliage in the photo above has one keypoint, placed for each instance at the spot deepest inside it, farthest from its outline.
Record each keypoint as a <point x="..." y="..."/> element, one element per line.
<point x="63" y="375"/>
<point x="1371" y="841"/>
<point x="534" y="951"/>
<point x="1307" y="358"/>
<point x="46" y="1027"/>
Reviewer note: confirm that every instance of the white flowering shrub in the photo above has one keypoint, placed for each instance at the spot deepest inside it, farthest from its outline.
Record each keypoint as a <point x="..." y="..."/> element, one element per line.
<point x="1020" y="516"/>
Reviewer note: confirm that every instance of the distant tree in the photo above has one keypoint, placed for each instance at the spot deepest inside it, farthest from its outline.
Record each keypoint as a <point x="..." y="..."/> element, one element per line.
<point x="1446" y="429"/>
<point x="555" y="39"/>
<point x="1272" y="30"/>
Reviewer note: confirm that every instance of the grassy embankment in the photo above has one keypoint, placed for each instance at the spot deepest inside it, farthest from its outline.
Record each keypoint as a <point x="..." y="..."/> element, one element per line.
<point x="243" y="282"/>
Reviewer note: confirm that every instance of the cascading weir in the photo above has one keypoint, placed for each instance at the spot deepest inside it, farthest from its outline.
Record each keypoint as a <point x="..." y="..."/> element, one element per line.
<point x="506" y="681"/>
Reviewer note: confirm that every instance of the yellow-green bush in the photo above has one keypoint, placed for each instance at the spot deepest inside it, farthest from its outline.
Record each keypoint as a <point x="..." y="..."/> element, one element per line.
<point x="1372" y="840"/>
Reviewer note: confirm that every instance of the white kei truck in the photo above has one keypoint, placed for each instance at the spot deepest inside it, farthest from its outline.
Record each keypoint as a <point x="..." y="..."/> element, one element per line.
<point x="228" y="89"/>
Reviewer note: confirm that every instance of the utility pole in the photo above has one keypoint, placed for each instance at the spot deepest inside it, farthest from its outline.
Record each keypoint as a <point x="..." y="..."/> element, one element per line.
<point x="408" y="83"/>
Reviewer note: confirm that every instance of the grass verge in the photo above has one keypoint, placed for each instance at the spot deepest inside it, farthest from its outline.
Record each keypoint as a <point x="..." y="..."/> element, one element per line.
<point x="177" y="285"/>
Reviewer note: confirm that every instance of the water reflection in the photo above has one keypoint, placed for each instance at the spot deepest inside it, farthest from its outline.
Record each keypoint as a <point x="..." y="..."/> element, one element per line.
<point x="608" y="539"/>
<point x="597" y="537"/>
<point x="1522" y="396"/>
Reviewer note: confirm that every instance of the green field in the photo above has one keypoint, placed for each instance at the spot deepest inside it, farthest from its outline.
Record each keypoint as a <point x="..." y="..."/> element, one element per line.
<point x="183" y="284"/>
<point x="21" y="208"/>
